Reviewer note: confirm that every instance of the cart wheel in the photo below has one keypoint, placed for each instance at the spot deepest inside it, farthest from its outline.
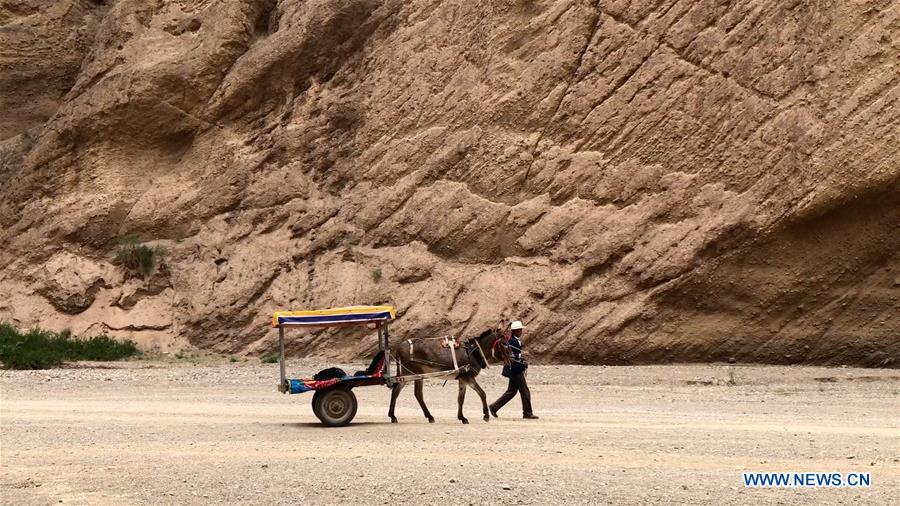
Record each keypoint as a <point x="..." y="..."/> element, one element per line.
<point x="336" y="407"/>
<point x="317" y="402"/>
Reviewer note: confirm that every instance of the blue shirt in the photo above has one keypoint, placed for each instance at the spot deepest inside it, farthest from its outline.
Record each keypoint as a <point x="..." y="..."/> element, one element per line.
<point x="518" y="365"/>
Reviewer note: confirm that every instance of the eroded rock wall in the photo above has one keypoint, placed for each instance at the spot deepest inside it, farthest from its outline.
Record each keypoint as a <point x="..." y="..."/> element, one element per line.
<point x="639" y="181"/>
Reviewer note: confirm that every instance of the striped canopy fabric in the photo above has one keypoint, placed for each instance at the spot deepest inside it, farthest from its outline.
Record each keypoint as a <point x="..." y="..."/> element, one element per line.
<point x="341" y="316"/>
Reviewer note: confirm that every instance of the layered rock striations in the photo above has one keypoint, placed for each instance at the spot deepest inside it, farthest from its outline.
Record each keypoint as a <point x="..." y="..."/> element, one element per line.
<point x="641" y="181"/>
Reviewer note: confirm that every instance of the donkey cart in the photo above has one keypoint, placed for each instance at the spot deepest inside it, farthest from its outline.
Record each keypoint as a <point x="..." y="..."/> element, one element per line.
<point x="334" y="402"/>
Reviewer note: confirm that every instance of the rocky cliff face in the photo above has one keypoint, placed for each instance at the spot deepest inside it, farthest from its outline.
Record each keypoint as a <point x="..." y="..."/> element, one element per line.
<point x="672" y="180"/>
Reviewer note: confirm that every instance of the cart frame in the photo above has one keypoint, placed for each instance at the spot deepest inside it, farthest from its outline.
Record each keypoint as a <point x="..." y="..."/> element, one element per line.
<point x="355" y="316"/>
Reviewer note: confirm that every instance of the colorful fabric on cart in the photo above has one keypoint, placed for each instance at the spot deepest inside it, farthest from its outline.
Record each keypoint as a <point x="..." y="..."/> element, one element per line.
<point x="375" y="371"/>
<point x="338" y="316"/>
<point x="298" y="386"/>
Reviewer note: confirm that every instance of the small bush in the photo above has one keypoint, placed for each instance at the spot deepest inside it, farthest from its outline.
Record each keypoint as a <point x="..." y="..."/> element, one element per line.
<point x="138" y="257"/>
<point x="27" y="141"/>
<point x="43" y="349"/>
<point x="376" y="274"/>
<point x="732" y="380"/>
<point x="269" y="358"/>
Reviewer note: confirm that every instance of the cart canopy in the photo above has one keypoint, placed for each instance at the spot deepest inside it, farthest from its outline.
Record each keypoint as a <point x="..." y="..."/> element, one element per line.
<point x="336" y="317"/>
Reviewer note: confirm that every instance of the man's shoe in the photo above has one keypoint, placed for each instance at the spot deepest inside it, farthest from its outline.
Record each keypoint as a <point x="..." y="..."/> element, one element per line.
<point x="493" y="411"/>
<point x="531" y="417"/>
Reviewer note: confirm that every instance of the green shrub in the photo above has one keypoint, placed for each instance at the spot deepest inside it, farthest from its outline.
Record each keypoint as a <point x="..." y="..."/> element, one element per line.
<point x="269" y="358"/>
<point x="27" y="141"/>
<point x="138" y="257"/>
<point x="376" y="274"/>
<point x="43" y="349"/>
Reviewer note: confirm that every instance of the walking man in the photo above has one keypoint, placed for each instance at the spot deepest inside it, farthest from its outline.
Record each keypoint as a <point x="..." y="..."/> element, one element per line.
<point x="516" y="372"/>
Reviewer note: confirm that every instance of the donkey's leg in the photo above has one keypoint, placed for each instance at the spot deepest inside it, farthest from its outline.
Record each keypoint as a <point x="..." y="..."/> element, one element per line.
<point x="461" y="399"/>
<point x="484" y="404"/>
<point x="395" y="391"/>
<point x="421" y="398"/>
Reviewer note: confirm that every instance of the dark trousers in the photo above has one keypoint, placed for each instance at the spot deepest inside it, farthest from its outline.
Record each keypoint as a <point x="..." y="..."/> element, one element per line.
<point x="517" y="385"/>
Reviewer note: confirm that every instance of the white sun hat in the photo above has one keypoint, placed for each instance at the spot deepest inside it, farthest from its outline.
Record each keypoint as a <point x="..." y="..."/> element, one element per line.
<point x="516" y="325"/>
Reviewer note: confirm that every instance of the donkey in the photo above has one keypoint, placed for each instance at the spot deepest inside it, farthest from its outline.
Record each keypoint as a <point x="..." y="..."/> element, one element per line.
<point x="420" y="356"/>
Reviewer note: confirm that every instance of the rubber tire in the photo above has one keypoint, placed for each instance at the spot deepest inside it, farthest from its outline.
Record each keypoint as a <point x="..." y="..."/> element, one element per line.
<point x="316" y="402"/>
<point x="336" y="407"/>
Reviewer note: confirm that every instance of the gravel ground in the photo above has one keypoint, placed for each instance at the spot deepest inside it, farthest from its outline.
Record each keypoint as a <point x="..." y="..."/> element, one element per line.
<point x="147" y="432"/>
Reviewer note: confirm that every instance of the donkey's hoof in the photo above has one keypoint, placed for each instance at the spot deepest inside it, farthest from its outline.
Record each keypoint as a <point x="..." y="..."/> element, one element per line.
<point x="393" y="420"/>
<point x="464" y="420"/>
<point x="430" y="419"/>
<point x="487" y="418"/>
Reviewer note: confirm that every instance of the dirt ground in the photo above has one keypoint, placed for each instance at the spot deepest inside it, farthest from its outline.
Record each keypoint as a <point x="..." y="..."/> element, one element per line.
<point x="149" y="432"/>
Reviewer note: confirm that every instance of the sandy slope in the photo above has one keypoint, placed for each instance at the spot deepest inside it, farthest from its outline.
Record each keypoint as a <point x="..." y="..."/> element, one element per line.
<point x="175" y="433"/>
